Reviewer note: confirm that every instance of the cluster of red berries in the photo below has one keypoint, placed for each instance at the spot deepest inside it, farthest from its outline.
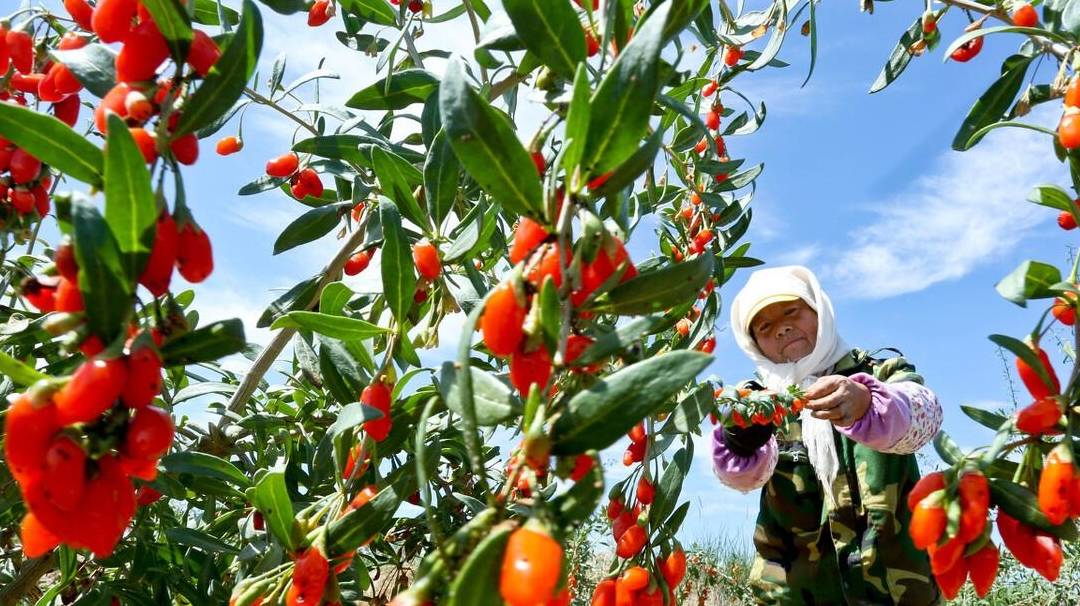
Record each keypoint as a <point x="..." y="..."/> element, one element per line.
<point x="747" y="407"/>
<point x="303" y="183"/>
<point x="137" y="97"/>
<point x="74" y="446"/>
<point x="928" y="502"/>
<point x="636" y="585"/>
<point x="503" y="324"/>
<point x="24" y="181"/>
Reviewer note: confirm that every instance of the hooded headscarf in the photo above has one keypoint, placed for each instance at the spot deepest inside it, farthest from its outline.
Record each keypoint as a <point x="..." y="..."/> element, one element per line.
<point x="788" y="283"/>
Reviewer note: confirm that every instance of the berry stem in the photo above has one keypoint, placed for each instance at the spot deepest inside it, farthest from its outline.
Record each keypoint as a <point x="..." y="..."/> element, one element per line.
<point x="260" y="99"/>
<point x="1055" y="48"/>
<point x="268" y="355"/>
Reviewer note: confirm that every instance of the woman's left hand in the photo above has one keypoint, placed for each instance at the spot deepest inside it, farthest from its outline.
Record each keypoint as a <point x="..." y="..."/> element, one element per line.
<point x="838" y="399"/>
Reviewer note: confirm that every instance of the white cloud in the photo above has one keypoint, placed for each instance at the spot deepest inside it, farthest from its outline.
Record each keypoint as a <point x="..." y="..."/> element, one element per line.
<point x="799" y="256"/>
<point x="967" y="210"/>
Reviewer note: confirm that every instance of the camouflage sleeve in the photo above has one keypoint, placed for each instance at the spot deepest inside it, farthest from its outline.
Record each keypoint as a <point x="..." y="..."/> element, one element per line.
<point x="739" y="472"/>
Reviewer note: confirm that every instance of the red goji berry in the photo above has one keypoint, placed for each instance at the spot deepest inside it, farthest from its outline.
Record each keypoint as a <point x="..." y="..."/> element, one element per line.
<point x="157" y="273"/>
<point x="530" y="568"/>
<point x="204" y="53"/>
<point x="378" y="396"/>
<point x="529" y="368"/>
<point x="185" y="149"/>
<point x="144" y="377"/>
<point x="983" y="567"/>
<point x="928" y="521"/>
<point x="144" y="50"/>
<point x="1025" y="16"/>
<point x="283" y="166"/>
<point x="631" y="542"/>
<point x="93" y="388"/>
<point x="64" y="473"/>
<point x="194" y="254"/>
<point x="149" y="435"/>
<point x="426" y="258"/>
<point x="974" y="496"/>
<point x="1056" y="485"/>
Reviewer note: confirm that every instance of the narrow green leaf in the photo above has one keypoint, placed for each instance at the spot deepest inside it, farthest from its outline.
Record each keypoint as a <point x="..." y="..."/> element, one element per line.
<point x="297" y="297"/>
<point x="206" y="344"/>
<point x="311" y="226"/>
<point x="577" y="120"/>
<point x="1020" y="503"/>
<point x="52" y="142"/>
<point x="485" y="142"/>
<point x="202" y="464"/>
<point x="1031" y="280"/>
<point x="495" y="402"/>
<point x="105" y="288"/>
<point x="599" y="415"/>
<point x="994" y="103"/>
<point x="1052" y="196"/>
<point x="985" y="418"/>
<point x="476" y="584"/>
<point x="634" y="166"/>
<point x="130" y="207"/>
<point x="627" y="95"/>
<point x="1025" y="353"/>
<point x="333" y="298"/>
<point x="899" y="58"/>
<point x="551" y="31"/>
<point x="20" y="373"/>
<point x="337" y="327"/>
<point x="670" y="485"/>
<point x="625" y="336"/>
<point x="191" y="537"/>
<point x="226" y="80"/>
<point x="398" y="277"/>
<point x="441" y="175"/>
<point x="174" y="24"/>
<point x="376" y="11"/>
<point x="337" y="147"/>
<point x="272" y="499"/>
<point x="94" y="66"/>
<point x="657" y="290"/>
<point x="404" y="88"/>
<point x="397" y="178"/>
<point x="947" y="448"/>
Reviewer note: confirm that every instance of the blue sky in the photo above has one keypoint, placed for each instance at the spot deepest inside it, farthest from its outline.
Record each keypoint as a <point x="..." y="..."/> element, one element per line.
<point x="907" y="236"/>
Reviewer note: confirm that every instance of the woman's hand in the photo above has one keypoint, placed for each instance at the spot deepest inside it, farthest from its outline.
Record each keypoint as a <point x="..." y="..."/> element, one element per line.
<point x="838" y="399"/>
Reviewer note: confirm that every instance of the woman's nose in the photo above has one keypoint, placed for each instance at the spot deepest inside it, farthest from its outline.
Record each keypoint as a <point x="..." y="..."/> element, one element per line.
<point x="783" y="330"/>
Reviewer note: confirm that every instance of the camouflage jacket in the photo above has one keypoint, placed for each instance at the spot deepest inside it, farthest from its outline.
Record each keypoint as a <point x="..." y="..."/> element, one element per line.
<point x="860" y="552"/>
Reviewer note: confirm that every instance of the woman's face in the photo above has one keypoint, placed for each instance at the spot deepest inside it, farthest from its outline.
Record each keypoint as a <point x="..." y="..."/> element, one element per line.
<point x="785" y="331"/>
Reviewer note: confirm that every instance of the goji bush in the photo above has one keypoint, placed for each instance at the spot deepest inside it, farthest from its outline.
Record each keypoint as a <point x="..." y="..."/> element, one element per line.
<point x="297" y="491"/>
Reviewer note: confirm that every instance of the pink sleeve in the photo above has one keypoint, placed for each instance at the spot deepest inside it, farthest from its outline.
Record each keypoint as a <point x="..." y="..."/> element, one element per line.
<point x="902" y="418"/>
<point x="742" y="473"/>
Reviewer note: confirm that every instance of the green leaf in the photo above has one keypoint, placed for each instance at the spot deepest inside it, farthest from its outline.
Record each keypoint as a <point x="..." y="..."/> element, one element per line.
<point x="399" y="280"/>
<point x="130" y="207"/>
<point x="1031" y="280"/>
<point x="272" y="499"/>
<point x="994" y="103"/>
<point x="1025" y="353"/>
<point x="550" y="313"/>
<point x="1021" y="504"/>
<point x="337" y="147"/>
<point x="206" y="344"/>
<point x="20" y="373"/>
<point x="357" y="526"/>
<point x="625" y="336"/>
<point x="985" y="418"/>
<point x="375" y="11"/>
<point x="226" y="80"/>
<point x="442" y="172"/>
<point x="599" y="415"/>
<point x="660" y="289"/>
<point x="337" y="327"/>
<point x="495" y="402"/>
<point x="104" y="286"/>
<point x="396" y="179"/>
<point x="311" y="226"/>
<point x="670" y="485"/>
<point x="576" y="504"/>
<point x="94" y="66"/>
<point x="1052" y="196"/>
<point x="577" y="120"/>
<point x="285" y="7"/>
<point x="947" y="448"/>
<point x="333" y="298"/>
<point x="202" y="464"/>
<point x="485" y="142"/>
<point x="551" y="31"/>
<point x="476" y="584"/>
<point x="174" y="24"/>
<point x="297" y="297"/>
<point x="404" y="88"/>
<point x="628" y="172"/>
<point x="626" y="95"/>
<point x="195" y="538"/>
<point x="52" y="142"/>
<point x="899" y="58"/>
<point x="499" y="34"/>
<point x="1002" y="29"/>
<point x="206" y="13"/>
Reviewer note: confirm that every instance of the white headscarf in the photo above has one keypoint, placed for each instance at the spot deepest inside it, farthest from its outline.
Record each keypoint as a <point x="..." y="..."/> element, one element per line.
<point x="783" y="283"/>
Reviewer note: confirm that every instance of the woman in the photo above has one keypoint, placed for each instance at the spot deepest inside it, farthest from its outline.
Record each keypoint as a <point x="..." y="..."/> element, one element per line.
<point x="832" y="525"/>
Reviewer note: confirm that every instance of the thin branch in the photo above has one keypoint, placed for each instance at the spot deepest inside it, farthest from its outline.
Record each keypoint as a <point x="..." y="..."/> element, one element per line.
<point x="258" y="98"/>
<point x="1055" y="48"/>
<point x="27" y="579"/>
